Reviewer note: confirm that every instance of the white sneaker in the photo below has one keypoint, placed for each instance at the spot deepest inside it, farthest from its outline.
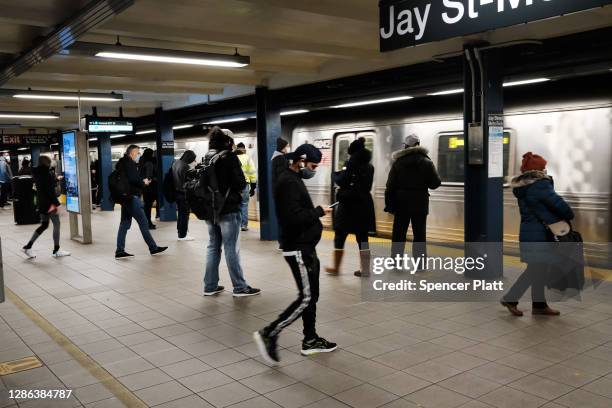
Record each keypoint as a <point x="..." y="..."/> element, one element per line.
<point x="29" y="253"/>
<point x="187" y="238"/>
<point x="60" y="254"/>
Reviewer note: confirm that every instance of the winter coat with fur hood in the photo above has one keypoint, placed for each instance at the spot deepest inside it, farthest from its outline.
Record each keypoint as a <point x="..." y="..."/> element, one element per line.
<point x="539" y="206"/>
<point x="412" y="175"/>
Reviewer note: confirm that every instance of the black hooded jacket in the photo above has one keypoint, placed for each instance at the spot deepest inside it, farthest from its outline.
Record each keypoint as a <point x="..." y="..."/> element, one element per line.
<point x="45" y="188"/>
<point x="412" y="175"/>
<point x="297" y="216"/>
<point x="229" y="176"/>
<point x="180" y="168"/>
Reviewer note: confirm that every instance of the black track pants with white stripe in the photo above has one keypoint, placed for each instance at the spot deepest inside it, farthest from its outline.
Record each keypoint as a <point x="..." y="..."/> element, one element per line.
<point x="305" y="267"/>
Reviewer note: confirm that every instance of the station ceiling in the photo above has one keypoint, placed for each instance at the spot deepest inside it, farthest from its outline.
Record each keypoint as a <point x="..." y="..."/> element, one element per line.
<point x="290" y="42"/>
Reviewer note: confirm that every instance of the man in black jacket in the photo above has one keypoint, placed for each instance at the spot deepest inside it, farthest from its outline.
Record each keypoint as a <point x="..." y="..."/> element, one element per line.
<point x="225" y="232"/>
<point x="407" y="197"/>
<point x="133" y="207"/>
<point x="180" y="168"/>
<point x="300" y="232"/>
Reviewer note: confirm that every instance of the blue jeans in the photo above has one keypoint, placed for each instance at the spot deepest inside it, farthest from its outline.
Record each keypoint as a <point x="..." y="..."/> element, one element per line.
<point x="226" y="232"/>
<point x="134" y="209"/>
<point x="244" y="206"/>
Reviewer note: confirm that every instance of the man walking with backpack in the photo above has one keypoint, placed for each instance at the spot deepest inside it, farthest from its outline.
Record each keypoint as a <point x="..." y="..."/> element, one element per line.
<point x="131" y="204"/>
<point x="300" y="233"/>
<point x="222" y="177"/>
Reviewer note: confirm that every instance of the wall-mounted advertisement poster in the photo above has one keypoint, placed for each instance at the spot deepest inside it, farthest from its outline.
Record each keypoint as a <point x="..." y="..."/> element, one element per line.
<point x="71" y="175"/>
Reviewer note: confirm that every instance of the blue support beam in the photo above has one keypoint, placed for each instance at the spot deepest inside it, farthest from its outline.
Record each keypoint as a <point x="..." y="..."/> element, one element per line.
<point x="34" y="155"/>
<point x="483" y="129"/>
<point x="105" y="166"/>
<point x="165" y="157"/>
<point x="268" y="130"/>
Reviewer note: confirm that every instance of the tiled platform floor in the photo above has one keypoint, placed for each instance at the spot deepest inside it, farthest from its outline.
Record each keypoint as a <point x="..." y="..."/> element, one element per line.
<point x="145" y="322"/>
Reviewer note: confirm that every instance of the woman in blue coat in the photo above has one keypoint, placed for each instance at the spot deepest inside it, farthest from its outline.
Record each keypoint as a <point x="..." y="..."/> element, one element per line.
<point x="539" y="206"/>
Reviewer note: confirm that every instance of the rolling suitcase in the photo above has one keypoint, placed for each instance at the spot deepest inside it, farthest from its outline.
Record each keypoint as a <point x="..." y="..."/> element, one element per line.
<point x="25" y="209"/>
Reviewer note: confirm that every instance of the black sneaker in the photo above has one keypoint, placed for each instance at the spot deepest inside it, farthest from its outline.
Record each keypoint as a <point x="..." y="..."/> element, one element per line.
<point x="318" y="345"/>
<point x="158" y="250"/>
<point x="214" y="292"/>
<point x="267" y="347"/>
<point x="249" y="291"/>
<point x="122" y="255"/>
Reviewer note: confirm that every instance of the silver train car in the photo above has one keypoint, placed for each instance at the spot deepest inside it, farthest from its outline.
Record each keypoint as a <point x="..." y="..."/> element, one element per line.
<point x="575" y="138"/>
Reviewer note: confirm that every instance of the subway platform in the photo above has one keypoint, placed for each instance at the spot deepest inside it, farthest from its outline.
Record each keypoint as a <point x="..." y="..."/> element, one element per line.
<point x="138" y="333"/>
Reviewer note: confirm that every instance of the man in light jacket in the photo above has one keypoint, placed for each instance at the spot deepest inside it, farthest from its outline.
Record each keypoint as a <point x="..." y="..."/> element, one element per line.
<point x="6" y="175"/>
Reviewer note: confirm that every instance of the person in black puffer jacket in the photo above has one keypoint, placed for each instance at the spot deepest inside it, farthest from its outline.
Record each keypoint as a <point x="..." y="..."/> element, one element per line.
<point x="46" y="195"/>
<point x="539" y="206"/>
<point x="407" y="197"/>
<point x="180" y="169"/>
<point x="147" y="170"/>
<point x="355" y="211"/>
<point x="225" y="233"/>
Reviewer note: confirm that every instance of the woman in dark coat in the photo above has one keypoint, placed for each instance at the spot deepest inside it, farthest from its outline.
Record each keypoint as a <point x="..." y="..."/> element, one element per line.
<point x="46" y="194"/>
<point x="26" y="169"/>
<point x="539" y="206"/>
<point x="146" y="168"/>
<point x="355" y="211"/>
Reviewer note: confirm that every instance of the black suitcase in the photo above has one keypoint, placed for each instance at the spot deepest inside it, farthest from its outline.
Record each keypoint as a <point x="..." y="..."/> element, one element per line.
<point x="25" y="208"/>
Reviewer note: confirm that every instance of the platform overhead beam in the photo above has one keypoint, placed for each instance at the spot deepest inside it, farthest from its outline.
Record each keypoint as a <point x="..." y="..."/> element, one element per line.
<point x="484" y="163"/>
<point x="268" y="130"/>
<point x="92" y="15"/>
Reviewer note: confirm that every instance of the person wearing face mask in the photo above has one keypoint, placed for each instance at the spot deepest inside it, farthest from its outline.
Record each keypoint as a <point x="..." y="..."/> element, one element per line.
<point x="133" y="207"/>
<point x="180" y="168"/>
<point x="250" y="174"/>
<point x="301" y="230"/>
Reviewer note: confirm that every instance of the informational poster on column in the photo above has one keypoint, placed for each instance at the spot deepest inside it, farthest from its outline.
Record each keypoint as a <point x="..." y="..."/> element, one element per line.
<point x="71" y="175"/>
<point x="496" y="146"/>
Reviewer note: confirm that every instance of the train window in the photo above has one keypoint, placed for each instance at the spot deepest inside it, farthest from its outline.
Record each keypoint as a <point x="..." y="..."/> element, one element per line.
<point x="451" y="156"/>
<point x="342" y="143"/>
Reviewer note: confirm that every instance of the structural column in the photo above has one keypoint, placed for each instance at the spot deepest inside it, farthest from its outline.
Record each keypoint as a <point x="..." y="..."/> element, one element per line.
<point x="34" y="155"/>
<point x="105" y="168"/>
<point x="165" y="157"/>
<point x="14" y="155"/>
<point x="268" y="130"/>
<point x="483" y="127"/>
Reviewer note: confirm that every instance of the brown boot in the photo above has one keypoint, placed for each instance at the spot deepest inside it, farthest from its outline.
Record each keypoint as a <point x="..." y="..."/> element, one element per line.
<point x="547" y="311"/>
<point x="512" y="308"/>
<point x="335" y="270"/>
<point x="364" y="264"/>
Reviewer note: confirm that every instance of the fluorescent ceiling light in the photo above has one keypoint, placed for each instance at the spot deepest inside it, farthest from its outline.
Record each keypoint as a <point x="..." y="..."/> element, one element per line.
<point x="29" y="115"/>
<point x="448" y="92"/>
<point x="178" y="127"/>
<point x="24" y="148"/>
<point x="145" y="132"/>
<point x="67" y="96"/>
<point x="218" y="122"/>
<point x="294" y="112"/>
<point x="117" y="136"/>
<point x="374" y="102"/>
<point x="526" y="82"/>
<point x="93" y="139"/>
<point x="167" y="56"/>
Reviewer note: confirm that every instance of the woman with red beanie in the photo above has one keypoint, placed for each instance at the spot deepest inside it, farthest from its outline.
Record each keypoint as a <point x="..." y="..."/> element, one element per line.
<point x="539" y="206"/>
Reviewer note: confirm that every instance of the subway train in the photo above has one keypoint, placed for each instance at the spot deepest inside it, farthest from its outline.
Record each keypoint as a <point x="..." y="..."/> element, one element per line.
<point x="573" y="134"/>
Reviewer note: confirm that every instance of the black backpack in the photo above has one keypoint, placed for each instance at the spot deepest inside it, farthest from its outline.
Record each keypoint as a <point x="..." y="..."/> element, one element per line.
<point x="168" y="187"/>
<point x="203" y="195"/>
<point x="119" y="186"/>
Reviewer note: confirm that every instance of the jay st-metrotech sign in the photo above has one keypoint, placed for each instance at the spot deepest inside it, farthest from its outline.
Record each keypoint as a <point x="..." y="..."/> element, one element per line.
<point x="405" y="23"/>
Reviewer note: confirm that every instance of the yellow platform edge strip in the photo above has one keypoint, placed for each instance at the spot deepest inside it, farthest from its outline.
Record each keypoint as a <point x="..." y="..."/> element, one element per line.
<point x="17" y="366"/>
<point x="128" y="398"/>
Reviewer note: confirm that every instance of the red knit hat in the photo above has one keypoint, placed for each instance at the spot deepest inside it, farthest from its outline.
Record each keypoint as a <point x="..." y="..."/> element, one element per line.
<point x="532" y="162"/>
